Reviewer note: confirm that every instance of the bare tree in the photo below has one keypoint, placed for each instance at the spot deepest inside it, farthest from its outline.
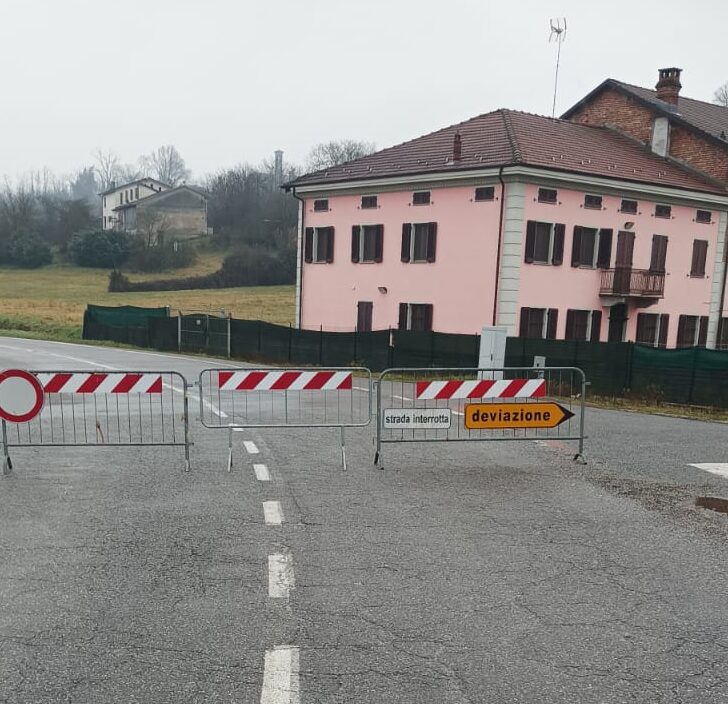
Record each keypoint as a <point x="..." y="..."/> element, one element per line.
<point x="166" y="165"/>
<point x="721" y="95"/>
<point x="328" y="154"/>
<point x="106" y="167"/>
<point x="153" y="224"/>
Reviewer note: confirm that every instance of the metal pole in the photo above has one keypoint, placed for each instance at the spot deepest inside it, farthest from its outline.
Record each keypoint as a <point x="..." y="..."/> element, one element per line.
<point x="187" y="428"/>
<point x="7" y="463"/>
<point x="179" y="331"/>
<point x="228" y="335"/>
<point x="343" y="450"/>
<point x="230" y="449"/>
<point x="378" y="453"/>
<point x="580" y="455"/>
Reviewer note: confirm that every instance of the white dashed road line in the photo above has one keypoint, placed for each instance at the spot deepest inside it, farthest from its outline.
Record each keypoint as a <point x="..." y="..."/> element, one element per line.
<point x="280" y="676"/>
<point x="719" y="468"/>
<point x="250" y="447"/>
<point x="261" y="473"/>
<point x="280" y="576"/>
<point x="273" y="513"/>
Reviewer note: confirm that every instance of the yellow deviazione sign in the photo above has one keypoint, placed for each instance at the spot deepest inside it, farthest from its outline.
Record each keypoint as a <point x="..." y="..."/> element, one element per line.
<point x="494" y="416"/>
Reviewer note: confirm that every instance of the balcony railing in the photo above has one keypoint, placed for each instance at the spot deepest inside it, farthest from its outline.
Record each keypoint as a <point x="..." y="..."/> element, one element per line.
<point x="639" y="283"/>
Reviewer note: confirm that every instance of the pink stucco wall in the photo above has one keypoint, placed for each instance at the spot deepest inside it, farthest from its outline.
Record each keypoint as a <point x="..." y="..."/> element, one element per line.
<point x="459" y="283"/>
<point x="564" y="286"/>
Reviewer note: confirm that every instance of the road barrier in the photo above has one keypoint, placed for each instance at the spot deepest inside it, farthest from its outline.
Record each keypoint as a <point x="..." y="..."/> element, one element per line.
<point x="105" y="409"/>
<point x="459" y="404"/>
<point x="285" y="398"/>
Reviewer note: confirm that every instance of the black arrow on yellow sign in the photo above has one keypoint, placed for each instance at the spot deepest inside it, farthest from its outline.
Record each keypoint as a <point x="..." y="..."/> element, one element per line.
<point x="496" y="416"/>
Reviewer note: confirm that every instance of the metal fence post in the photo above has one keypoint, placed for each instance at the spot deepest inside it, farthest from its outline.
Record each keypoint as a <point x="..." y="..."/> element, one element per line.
<point x="7" y="463"/>
<point x="179" y="331"/>
<point x="187" y="426"/>
<point x="229" y="345"/>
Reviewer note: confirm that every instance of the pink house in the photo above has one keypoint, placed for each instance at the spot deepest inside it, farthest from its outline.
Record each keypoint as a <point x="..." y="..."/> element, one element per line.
<point x="550" y="228"/>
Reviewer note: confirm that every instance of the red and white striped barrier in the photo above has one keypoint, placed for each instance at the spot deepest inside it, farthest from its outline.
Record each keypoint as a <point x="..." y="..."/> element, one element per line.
<point x="284" y="381"/>
<point x="100" y="383"/>
<point x="487" y="388"/>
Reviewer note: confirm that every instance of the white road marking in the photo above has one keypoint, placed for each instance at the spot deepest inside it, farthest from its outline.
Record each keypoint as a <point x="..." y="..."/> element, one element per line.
<point x="720" y="468"/>
<point x="273" y="513"/>
<point x="281" y="579"/>
<point x="280" y="676"/>
<point x="250" y="447"/>
<point x="261" y="473"/>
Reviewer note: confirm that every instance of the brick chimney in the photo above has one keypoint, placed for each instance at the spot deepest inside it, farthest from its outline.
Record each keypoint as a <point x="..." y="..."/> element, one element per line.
<point x="668" y="86"/>
<point x="457" y="147"/>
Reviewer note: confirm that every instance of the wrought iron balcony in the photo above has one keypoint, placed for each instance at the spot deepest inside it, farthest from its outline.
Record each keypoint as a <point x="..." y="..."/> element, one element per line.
<point x="632" y="283"/>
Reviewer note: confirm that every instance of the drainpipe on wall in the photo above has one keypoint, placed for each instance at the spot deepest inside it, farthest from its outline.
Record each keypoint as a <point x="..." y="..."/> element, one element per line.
<point x="299" y="257"/>
<point x="718" y="335"/>
<point x="500" y="240"/>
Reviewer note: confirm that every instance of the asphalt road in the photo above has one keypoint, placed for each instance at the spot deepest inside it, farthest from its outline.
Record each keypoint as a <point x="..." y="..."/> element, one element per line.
<point x="498" y="572"/>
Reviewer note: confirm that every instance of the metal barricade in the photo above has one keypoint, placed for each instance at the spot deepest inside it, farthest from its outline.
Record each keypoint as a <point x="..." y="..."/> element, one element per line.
<point x="455" y="405"/>
<point x="88" y="408"/>
<point x="268" y="397"/>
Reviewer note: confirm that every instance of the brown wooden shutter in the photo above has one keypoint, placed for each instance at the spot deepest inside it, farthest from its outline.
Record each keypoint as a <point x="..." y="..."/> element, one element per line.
<point x="559" y="232"/>
<point x="700" y="253"/>
<point x="428" y="316"/>
<point x="552" y="317"/>
<point x="703" y="330"/>
<point x="596" y="325"/>
<point x="530" y="241"/>
<point x="308" y="245"/>
<point x="355" y="242"/>
<point x="604" y="255"/>
<point x="625" y="248"/>
<point x="659" y="254"/>
<point x="681" y="324"/>
<point x="576" y="247"/>
<point x="379" y="244"/>
<point x="431" y="241"/>
<point x="569" y="334"/>
<point x="329" y="245"/>
<point x="664" y="323"/>
<point x="406" y="241"/>
<point x="402" y="316"/>
<point x="523" y="325"/>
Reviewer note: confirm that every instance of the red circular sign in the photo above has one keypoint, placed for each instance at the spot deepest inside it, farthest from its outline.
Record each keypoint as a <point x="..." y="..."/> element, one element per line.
<point x="21" y="396"/>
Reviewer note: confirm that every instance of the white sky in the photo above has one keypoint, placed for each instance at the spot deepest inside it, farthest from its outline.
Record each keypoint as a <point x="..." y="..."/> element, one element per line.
<point x="229" y="81"/>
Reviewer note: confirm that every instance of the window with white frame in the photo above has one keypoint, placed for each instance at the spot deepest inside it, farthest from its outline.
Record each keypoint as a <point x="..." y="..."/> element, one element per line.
<point x="538" y="323"/>
<point x="652" y="329"/>
<point x="692" y="330"/>
<point x="544" y="243"/>
<point x="583" y="325"/>
<point x="319" y="245"/>
<point x="415" y="316"/>
<point x="367" y="243"/>
<point x="591" y="247"/>
<point x="419" y="241"/>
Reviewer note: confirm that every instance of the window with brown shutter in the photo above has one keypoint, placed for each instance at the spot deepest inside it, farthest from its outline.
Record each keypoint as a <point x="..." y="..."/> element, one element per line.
<point x="308" y="245"/>
<point x="552" y="317"/>
<point x="664" y="325"/>
<point x="355" y="243"/>
<point x="629" y="206"/>
<point x="368" y="202"/>
<point x="703" y="331"/>
<point x="557" y="256"/>
<point x="596" y="326"/>
<point x="319" y="245"/>
<point x="421" y="198"/>
<point x="419" y="242"/>
<point x="415" y="316"/>
<point x="577" y="324"/>
<point x="700" y="253"/>
<point x="484" y="193"/>
<point x="320" y="205"/>
<point x="646" y="328"/>
<point x="544" y="243"/>
<point x="659" y="254"/>
<point x="663" y="211"/>
<point x="687" y="328"/>
<point x="406" y="241"/>
<point x="593" y="202"/>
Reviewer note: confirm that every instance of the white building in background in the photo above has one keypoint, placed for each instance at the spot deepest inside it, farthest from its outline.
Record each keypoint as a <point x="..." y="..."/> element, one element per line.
<point x="116" y="196"/>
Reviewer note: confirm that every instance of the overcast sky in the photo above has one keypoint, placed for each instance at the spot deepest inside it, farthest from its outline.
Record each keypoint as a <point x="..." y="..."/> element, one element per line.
<point x="229" y="81"/>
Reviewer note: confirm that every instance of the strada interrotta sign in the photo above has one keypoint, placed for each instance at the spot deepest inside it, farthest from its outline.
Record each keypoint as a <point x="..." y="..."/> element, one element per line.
<point x="21" y="396"/>
<point x="496" y="416"/>
<point x="416" y="418"/>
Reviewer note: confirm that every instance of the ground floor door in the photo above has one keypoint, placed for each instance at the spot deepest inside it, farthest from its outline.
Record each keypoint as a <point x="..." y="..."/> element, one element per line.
<point x="617" y="322"/>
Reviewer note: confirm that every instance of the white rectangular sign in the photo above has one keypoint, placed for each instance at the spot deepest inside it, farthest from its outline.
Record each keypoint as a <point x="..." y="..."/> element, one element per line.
<point x="416" y="418"/>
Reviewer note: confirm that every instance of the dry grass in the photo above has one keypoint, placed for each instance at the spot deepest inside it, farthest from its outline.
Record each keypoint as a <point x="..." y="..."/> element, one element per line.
<point x="49" y="302"/>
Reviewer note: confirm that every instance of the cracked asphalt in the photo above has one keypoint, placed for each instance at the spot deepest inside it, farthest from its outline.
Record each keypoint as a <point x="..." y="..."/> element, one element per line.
<point x="464" y="573"/>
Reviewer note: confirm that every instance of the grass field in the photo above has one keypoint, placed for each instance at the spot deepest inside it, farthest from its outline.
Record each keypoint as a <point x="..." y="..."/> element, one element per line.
<point x="49" y="302"/>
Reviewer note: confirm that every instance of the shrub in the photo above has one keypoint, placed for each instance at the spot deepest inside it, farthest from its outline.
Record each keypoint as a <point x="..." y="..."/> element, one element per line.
<point x="162" y="257"/>
<point x="29" y="251"/>
<point x="103" y="249"/>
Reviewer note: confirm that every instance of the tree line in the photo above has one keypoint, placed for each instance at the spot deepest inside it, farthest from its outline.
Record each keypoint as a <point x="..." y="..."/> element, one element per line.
<point x="43" y="216"/>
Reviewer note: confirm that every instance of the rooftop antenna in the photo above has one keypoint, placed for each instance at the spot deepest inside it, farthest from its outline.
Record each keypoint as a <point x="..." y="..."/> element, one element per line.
<point x="558" y="34"/>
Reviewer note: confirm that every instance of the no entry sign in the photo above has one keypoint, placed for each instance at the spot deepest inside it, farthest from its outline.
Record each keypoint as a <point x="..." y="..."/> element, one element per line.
<point x="21" y="396"/>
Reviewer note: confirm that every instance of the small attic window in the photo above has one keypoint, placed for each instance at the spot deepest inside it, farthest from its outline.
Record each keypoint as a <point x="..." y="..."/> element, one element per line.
<point x="593" y="202"/>
<point x="368" y="201"/>
<point x="547" y="195"/>
<point x="629" y="206"/>
<point x="421" y="198"/>
<point x="485" y="193"/>
<point x="704" y="216"/>
<point x="663" y="211"/>
<point x="321" y="205"/>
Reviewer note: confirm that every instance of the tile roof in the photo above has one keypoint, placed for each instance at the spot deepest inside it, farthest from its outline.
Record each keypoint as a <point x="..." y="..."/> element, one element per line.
<point x="508" y="137"/>
<point x="706" y="117"/>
